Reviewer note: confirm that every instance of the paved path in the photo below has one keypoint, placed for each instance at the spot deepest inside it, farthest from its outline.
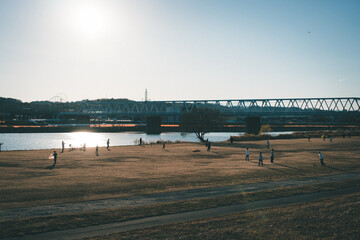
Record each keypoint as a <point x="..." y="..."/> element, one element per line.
<point x="79" y="207"/>
<point x="105" y="229"/>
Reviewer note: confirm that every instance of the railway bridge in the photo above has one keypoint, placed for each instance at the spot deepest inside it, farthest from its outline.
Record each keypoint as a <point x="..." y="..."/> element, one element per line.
<point x="303" y="111"/>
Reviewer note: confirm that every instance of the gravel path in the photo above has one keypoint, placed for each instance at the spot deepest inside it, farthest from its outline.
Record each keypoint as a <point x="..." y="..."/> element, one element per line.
<point x="79" y="207"/>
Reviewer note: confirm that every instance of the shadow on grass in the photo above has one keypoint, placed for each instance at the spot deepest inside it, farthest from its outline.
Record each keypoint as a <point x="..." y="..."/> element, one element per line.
<point x="270" y="168"/>
<point x="283" y="165"/>
<point x="216" y="152"/>
<point x="51" y="167"/>
<point x="241" y="146"/>
<point x="334" y="168"/>
<point x="277" y="170"/>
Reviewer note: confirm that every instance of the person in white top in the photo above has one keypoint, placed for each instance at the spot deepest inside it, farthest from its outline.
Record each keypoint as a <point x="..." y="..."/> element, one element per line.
<point x="321" y="159"/>
<point x="247" y="155"/>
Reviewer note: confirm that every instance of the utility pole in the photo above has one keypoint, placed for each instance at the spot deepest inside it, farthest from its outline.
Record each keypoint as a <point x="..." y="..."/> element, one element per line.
<point x="146" y="95"/>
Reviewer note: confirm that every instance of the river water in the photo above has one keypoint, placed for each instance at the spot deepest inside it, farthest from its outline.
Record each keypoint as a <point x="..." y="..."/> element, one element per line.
<point x="32" y="141"/>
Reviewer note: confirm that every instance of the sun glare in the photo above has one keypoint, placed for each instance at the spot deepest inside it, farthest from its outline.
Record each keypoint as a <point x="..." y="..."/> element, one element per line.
<point x="78" y="139"/>
<point x="89" y="20"/>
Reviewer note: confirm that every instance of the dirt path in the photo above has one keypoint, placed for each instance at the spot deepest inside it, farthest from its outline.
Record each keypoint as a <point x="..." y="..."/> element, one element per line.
<point x="105" y="229"/>
<point x="79" y="207"/>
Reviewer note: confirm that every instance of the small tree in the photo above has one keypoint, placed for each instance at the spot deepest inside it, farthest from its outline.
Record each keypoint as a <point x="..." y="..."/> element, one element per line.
<point x="265" y="128"/>
<point x="200" y="121"/>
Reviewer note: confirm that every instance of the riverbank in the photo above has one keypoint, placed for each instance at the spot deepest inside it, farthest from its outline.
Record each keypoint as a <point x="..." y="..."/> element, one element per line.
<point x="29" y="180"/>
<point x="301" y="134"/>
<point x="164" y="128"/>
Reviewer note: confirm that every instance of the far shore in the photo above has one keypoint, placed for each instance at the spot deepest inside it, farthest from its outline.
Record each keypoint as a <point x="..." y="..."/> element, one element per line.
<point x="165" y="128"/>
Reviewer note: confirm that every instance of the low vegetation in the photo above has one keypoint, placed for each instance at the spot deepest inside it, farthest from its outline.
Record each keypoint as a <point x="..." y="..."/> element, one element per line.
<point x="133" y="170"/>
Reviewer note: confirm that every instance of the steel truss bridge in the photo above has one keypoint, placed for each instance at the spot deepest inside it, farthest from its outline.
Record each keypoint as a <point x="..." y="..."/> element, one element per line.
<point x="242" y="107"/>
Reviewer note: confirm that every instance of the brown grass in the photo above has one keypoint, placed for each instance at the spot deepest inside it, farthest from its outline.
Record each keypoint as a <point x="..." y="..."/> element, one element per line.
<point x="333" y="218"/>
<point x="34" y="225"/>
<point x="132" y="170"/>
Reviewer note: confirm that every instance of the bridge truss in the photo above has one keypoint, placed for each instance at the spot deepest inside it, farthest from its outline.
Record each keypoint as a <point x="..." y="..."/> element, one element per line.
<point x="303" y="106"/>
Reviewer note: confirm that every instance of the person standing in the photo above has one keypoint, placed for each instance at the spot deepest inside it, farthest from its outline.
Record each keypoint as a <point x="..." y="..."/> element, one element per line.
<point x="321" y="159"/>
<point x="55" y="157"/>
<point x="140" y="142"/>
<point x="309" y="138"/>
<point x="62" y="146"/>
<point x="208" y="146"/>
<point x="247" y="155"/>
<point x="163" y="148"/>
<point x="268" y="144"/>
<point x="97" y="150"/>
<point x="272" y="156"/>
<point x="260" y="159"/>
<point x="108" y="144"/>
<point x="231" y="139"/>
<point x="1" y="145"/>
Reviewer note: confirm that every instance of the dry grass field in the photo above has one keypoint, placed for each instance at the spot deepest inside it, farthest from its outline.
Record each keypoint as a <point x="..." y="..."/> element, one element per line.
<point x="335" y="218"/>
<point x="26" y="180"/>
<point x="131" y="170"/>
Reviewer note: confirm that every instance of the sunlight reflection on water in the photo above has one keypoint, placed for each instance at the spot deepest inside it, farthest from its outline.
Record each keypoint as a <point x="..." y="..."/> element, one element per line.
<point x="31" y="141"/>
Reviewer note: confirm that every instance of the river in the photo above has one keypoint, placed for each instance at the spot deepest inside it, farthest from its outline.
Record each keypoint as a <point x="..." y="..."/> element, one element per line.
<point x="33" y="141"/>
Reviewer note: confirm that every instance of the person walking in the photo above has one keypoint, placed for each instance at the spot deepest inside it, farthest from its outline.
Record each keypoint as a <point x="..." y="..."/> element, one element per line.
<point x="62" y="146"/>
<point x="321" y="159"/>
<point x="268" y="144"/>
<point x="163" y="148"/>
<point x="272" y="156"/>
<point x="97" y="150"/>
<point x="55" y="157"/>
<point x="260" y="159"/>
<point x="108" y="144"/>
<point x="140" y="142"/>
<point x="231" y="139"/>
<point x="309" y="139"/>
<point x="247" y="155"/>
<point x="208" y="146"/>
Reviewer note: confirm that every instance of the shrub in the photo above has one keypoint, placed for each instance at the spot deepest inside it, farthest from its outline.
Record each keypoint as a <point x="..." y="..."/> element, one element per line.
<point x="265" y="128"/>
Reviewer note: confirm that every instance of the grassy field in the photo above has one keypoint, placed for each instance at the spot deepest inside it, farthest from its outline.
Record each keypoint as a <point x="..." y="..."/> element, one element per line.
<point x="34" y="225"/>
<point x="132" y="170"/>
<point x="333" y="218"/>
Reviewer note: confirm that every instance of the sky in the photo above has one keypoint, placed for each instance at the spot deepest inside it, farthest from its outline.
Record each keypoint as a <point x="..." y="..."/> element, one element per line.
<point x="179" y="49"/>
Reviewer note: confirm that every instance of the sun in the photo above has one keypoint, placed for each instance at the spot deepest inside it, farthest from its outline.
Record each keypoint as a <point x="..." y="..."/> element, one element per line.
<point x="89" y="20"/>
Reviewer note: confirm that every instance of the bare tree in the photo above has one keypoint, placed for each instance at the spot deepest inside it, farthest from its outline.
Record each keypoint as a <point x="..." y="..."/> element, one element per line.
<point x="201" y="121"/>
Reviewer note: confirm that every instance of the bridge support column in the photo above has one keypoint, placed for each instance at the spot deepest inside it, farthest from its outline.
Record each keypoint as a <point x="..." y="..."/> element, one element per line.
<point x="153" y="125"/>
<point x="252" y="125"/>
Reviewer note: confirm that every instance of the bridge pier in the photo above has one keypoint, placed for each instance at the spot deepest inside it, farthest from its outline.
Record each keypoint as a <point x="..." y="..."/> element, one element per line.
<point x="252" y="125"/>
<point x="153" y="125"/>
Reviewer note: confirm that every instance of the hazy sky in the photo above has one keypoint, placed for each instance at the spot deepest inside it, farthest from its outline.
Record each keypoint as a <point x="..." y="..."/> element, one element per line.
<point x="179" y="49"/>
